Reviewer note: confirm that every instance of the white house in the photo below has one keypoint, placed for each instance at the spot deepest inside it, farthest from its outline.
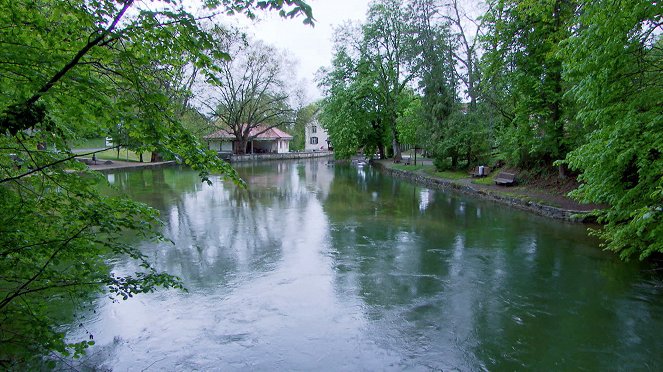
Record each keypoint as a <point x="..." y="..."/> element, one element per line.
<point x="317" y="138"/>
<point x="261" y="140"/>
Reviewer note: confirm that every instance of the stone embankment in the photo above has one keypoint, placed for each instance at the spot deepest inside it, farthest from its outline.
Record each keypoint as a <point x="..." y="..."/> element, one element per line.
<point x="287" y="155"/>
<point x="467" y="188"/>
<point x="109" y="165"/>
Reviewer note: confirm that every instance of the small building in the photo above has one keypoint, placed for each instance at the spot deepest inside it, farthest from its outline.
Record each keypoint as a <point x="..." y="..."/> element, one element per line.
<point x="262" y="140"/>
<point x="317" y="138"/>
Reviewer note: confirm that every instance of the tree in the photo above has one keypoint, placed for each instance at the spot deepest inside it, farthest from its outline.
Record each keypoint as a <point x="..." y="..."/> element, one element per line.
<point x="298" y="129"/>
<point x="352" y="110"/>
<point x="79" y="67"/>
<point x="614" y="61"/>
<point x="388" y="47"/>
<point x="249" y="92"/>
<point x="523" y="72"/>
<point x="436" y="79"/>
<point x="466" y="31"/>
<point x="410" y="129"/>
<point x="374" y="65"/>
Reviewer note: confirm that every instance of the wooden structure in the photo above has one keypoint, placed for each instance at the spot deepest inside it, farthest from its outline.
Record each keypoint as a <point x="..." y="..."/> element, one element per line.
<point x="504" y="178"/>
<point x="262" y="139"/>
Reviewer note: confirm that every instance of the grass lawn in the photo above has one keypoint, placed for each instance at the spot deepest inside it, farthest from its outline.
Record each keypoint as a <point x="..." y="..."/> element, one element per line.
<point x="89" y="143"/>
<point x="449" y="175"/>
<point x="409" y="168"/>
<point x="125" y="155"/>
<point x="484" y="180"/>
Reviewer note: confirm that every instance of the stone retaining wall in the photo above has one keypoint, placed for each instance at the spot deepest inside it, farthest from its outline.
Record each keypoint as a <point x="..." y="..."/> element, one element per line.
<point x="540" y="209"/>
<point x="288" y="155"/>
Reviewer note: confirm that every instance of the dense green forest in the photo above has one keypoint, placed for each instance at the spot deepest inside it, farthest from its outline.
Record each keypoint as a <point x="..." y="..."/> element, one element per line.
<point x="572" y="88"/>
<point x="76" y="69"/>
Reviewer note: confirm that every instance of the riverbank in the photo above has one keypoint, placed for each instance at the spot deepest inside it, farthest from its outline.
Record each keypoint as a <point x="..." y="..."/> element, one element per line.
<point x="538" y="201"/>
<point x="109" y="165"/>
<point x="283" y="156"/>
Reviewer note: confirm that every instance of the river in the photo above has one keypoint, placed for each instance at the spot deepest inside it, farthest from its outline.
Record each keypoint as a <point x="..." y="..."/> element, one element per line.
<point x="343" y="268"/>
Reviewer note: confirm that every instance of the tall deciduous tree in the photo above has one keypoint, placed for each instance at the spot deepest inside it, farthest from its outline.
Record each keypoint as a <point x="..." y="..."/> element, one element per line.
<point x="250" y="91"/>
<point x="374" y="66"/>
<point x="435" y="58"/>
<point x="615" y="62"/>
<point x="388" y="46"/>
<point x="522" y="59"/>
<point x="352" y="110"/>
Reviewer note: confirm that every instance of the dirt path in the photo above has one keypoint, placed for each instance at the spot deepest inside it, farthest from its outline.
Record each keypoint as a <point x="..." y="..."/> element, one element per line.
<point x="554" y="196"/>
<point x="549" y="197"/>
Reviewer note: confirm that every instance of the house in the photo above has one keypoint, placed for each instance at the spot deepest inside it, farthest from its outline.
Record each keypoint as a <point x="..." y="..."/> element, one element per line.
<point x="317" y="138"/>
<point x="262" y="139"/>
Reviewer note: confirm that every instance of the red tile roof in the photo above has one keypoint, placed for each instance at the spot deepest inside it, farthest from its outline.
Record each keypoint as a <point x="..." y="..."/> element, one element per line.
<point x="269" y="134"/>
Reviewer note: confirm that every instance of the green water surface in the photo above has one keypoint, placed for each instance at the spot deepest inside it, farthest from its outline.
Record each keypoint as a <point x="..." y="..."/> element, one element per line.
<point x="341" y="268"/>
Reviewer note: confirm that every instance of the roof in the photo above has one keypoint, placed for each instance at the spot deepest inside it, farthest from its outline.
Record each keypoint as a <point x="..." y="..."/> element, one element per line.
<point x="269" y="134"/>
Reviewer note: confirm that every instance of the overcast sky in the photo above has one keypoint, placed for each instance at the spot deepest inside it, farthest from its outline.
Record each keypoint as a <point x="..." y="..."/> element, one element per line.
<point x="310" y="46"/>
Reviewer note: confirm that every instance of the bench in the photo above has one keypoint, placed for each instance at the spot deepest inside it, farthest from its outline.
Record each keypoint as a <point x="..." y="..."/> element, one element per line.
<point x="475" y="172"/>
<point x="504" y="178"/>
<point x="406" y="161"/>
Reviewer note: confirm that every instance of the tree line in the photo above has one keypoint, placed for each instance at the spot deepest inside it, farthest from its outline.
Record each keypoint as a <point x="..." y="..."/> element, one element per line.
<point x="571" y="88"/>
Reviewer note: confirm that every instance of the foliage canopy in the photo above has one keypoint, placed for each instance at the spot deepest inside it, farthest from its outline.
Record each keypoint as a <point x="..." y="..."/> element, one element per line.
<point x="70" y="69"/>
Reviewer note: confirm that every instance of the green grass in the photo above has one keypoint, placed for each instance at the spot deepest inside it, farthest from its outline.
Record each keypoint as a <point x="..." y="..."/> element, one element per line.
<point x="449" y="175"/>
<point x="409" y="168"/>
<point x="125" y="155"/>
<point x="484" y="180"/>
<point x="89" y="143"/>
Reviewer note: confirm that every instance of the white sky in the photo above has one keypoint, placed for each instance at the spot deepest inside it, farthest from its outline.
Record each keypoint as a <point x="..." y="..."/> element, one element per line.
<point x="310" y="46"/>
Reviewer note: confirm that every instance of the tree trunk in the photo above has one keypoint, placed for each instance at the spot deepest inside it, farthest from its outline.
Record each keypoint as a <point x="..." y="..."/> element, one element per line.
<point x="561" y="171"/>
<point x="381" y="151"/>
<point x="396" y="146"/>
<point x="397" y="149"/>
<point x="240" y="146"/>
<point x="468" y="156"/>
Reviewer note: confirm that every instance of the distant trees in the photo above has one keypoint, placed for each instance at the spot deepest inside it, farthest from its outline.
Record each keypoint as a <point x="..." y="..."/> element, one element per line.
<point x="374" y="65"/>
<point x="249" y="91"/>
<point x="560" y="84"/>
<point x="298" y="129"/>
<point x="405" y="54"/>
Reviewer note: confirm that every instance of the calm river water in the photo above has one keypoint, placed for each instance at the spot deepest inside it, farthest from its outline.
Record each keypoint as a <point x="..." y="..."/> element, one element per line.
<point x="341" y="268"/>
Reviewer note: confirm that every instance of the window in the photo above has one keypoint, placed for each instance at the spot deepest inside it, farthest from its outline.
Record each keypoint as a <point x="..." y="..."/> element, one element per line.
<point x="314" y="129"/>
<point x="314" y="140"/>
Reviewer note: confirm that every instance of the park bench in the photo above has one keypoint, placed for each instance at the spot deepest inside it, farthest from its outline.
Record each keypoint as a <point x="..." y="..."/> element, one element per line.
<point x="476" y="171"/>
<point x="504" y="178"/>
<point x="406" y="161"/>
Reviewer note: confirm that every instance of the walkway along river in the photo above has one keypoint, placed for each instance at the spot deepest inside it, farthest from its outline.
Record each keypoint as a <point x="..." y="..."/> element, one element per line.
<point x="319" y="267"/>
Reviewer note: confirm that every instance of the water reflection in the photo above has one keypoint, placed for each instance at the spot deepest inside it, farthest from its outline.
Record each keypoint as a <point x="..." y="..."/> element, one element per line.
<point x="483" y="287"/>
<point x="342" y="268"/>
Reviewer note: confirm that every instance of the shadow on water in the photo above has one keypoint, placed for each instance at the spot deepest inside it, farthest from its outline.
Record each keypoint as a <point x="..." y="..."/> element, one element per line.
<point x="318" y="267"/>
